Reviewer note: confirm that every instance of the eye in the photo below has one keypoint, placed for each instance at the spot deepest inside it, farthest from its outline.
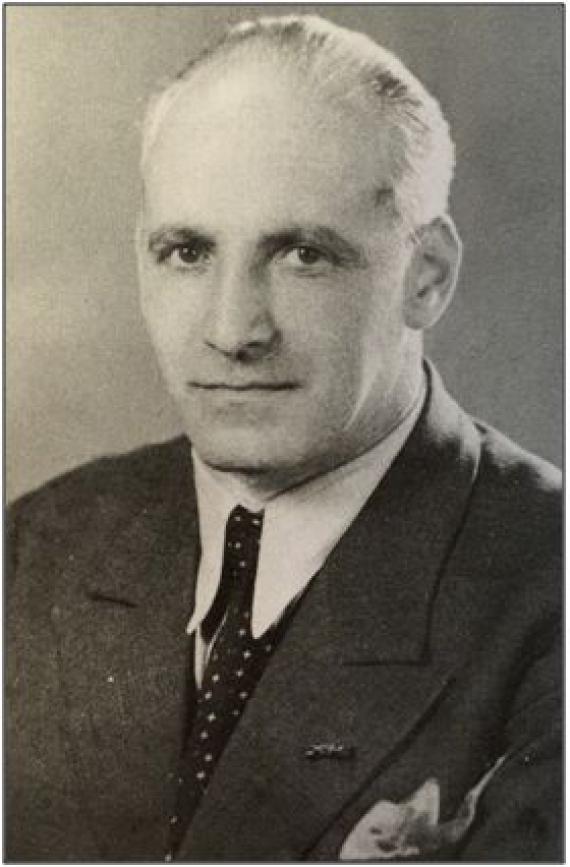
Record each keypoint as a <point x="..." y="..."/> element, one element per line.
<point x="183" y="254"/>
<point x="309" y="255"/>
<point x="189" y="254"/>
<point x="180" y="250"/>
<point x="304" y="255"/>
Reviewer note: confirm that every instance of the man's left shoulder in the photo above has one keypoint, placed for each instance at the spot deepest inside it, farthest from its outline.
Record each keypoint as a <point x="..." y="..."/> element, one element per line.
<point x="507" y="469"/>
<point x="515" y="513"/>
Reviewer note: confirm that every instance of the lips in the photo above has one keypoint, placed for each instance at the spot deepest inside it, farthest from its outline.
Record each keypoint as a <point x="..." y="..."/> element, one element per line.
<point x="244" y="387"/>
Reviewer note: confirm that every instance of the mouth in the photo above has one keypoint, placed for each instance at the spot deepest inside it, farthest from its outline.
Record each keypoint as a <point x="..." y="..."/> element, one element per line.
<point x="232" y="388"/>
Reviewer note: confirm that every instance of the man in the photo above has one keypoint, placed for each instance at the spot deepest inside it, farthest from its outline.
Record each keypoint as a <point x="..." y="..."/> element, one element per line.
<point x="323" y="626"/>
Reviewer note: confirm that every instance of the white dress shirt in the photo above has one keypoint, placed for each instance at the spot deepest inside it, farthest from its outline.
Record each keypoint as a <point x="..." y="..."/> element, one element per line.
<point x="301" y="526"/>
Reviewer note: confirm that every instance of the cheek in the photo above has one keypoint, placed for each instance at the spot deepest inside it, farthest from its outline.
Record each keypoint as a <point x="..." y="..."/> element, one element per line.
<point x="171" y="320"/>
<point x="330" y="335"/>
<point x="368" y="332"/>
<point x="352" y="321"/>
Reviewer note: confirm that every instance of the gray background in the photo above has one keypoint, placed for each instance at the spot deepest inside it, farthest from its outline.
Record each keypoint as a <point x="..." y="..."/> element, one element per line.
<point x="81" y="379"/>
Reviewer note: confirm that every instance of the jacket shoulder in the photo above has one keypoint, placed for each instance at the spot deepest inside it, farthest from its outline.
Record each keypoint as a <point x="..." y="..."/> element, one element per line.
<point x="107" y="488"/>
<point x="514" y="524"/>
<point x="526" y="480"/>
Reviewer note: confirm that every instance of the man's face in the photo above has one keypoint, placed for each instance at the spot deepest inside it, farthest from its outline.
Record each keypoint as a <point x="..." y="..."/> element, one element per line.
<point x="271" y="274"/>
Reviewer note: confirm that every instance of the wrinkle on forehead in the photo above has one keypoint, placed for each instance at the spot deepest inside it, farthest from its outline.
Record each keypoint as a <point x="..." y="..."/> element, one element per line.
<point x="256" y="98"/>
<point x="264" y="150"/>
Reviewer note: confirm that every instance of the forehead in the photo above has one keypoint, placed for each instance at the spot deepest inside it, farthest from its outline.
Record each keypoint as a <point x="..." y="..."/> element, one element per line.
<point x="260" y="139"/>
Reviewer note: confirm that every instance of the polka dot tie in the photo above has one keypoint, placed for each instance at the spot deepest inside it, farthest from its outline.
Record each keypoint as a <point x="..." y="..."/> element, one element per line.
<point x="235" y="664"/>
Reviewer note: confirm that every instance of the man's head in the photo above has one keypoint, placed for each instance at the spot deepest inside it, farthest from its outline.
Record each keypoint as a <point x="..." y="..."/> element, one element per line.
<point x="294" y="244"/>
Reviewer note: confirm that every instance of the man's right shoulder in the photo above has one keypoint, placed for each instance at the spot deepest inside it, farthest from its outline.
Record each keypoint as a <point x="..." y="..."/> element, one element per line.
<point x="103" y="490"/>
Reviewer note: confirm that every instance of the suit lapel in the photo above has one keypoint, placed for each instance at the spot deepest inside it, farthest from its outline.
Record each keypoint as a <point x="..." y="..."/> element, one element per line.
<point x="354" y="667"/>
<point x="125" y="661"/>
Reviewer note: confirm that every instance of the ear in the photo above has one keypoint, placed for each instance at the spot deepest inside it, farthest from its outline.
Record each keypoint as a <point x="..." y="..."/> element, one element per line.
<point x="432" y="273"/>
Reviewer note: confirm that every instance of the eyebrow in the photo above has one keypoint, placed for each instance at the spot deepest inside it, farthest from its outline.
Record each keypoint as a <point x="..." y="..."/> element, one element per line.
<point x="176" y="234"/>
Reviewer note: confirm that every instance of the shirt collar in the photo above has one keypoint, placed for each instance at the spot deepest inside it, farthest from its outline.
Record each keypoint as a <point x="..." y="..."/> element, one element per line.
<point x="301" y="526"/>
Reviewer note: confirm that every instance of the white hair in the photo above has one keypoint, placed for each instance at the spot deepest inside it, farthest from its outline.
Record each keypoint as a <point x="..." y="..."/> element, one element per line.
<point x="352" y="67"/>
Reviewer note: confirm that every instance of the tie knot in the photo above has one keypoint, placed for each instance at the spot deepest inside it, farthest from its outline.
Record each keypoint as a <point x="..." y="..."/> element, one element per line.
<point x="243" y="534"/>
<point x="243" y="518"/>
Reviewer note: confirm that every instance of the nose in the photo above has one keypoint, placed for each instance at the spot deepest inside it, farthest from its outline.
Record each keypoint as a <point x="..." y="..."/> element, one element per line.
<point x="239" y="322"/>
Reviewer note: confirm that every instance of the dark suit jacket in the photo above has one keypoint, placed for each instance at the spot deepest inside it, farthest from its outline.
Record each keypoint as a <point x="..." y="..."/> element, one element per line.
<point x="427" y="644"/>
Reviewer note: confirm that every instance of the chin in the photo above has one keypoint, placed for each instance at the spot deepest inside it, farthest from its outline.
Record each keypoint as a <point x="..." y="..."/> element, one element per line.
<point x="237" y="461"/>
<point x="252" y="454"/>
<point x="230" y="458"/>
